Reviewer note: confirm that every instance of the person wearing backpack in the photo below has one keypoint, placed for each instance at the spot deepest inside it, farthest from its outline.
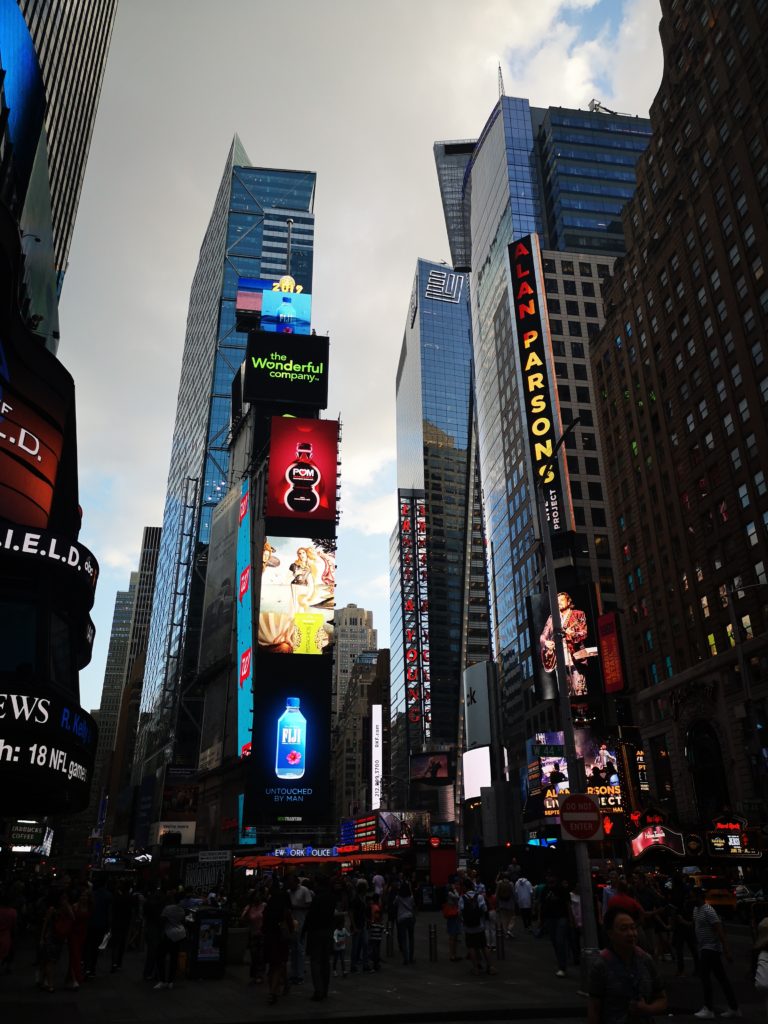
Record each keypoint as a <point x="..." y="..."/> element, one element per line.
<point x="505" y="905"/>
<point x="624" y="984"/>
<point x="472" y="908"/>
<point x="405" y="910"/>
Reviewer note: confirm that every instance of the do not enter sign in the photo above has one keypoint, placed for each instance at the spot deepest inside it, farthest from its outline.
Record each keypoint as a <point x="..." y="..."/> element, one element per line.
<point x="580" y="817"/>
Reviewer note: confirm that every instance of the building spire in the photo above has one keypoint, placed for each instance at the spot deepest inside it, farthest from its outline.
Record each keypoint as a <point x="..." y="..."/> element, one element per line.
<point x="501" y="82"/>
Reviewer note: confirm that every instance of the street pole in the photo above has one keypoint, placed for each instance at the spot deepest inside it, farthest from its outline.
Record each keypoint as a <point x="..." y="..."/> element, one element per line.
<point x="577" y="782"/>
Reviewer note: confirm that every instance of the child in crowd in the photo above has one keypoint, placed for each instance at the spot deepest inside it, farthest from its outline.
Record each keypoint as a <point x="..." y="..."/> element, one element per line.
<point x="340" y="938"/>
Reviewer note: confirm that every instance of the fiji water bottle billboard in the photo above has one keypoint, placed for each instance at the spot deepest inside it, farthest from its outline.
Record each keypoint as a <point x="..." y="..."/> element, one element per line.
<point x="286" y="312"/>
<point x="288" y="776"/>
<point x="244" y="625"/>
<point x="291" y="753"/>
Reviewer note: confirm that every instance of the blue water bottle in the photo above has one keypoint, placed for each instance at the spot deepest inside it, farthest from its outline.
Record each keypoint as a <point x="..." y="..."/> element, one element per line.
<point x="290" y="758"/>
<point x="286" y="314"/>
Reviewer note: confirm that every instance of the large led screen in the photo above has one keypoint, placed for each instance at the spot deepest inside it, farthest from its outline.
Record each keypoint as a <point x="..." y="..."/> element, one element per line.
<point x="582" y="661"/>
<point x="286" y="312"/>
<point x="286" y="369"/>
<point x="302" y="468"/>
<point x="298" y="582"/>
<point x="219" y="598"/>
<point x="600" y="767"/>
<point x="429" y="768"/>
<point x="288" y="777"/>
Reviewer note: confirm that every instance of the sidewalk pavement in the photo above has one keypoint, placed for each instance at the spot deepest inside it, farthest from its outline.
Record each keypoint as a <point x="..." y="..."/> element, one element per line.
<point x="525" y="988"/>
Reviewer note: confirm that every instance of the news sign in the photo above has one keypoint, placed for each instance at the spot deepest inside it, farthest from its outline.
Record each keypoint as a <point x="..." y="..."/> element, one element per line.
<point x="47" y="752"/>
<point x="289" y="369"/>
<point x="536" y="380"/>
<point x="302" y="468"/>
<point x="36" y="415"/>
<point x="298" y="588"/>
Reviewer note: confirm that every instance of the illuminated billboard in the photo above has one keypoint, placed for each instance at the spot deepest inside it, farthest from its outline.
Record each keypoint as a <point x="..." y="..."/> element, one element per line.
<point x="219" y="598"/>
<point x="249" y="295"/>
<point x="244" y="623"/>
<point x="610" y="652"/>
<point x="36" y="416"/>
<point x="536" y="381"/>
<point x="298" y="583"/>
<point x="288" y="777"/>
<point x="546" y="755"/>
<point x="302" y="468"/>
<point x="414" y="576"/>
<point x="476" y="771"/>
<point x="290" y="369"/>
<point x="376" y="755"/>
<point x="430" y="768"/>
<point x="286" y="312"/>
<point x="580" y="649"/>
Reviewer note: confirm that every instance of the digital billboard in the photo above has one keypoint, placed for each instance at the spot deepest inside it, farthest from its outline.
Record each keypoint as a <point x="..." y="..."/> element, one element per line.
<point x="581" y="654"/>
<point x="298" y="583"/>
<point x="478" y="680"/>
<point x="219" y="598"/>
<point x="286" y="312"/>
<point x="600" y="767"/>
<point x="288" y="777"/>
<point x="249" y="295"/>
<point x="414" y="578"/>
<point x="47" y="752"/>
<point x="476" y="771"/>
<point x="610" y="652"/>
<point x="302" y="468"/>
<point x="536" y="377"/>
<point x="430" y="767"/>
<point x="36" y="425"/>
<point x="376" y="755"/>
<point x="244" y="623"/>
<point x="289" y="369"/>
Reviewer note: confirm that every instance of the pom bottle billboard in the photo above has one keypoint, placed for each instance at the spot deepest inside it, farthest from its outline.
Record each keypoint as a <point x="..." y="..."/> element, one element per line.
<point x="302" y="469"/>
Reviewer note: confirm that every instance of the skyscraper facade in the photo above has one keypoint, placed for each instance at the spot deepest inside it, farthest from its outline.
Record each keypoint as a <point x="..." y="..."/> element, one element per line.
<point x="248" y="237"/>
<point x="353" y="633"/>
<point x="72" y="42"/>
<point x="428" y="571"/>
<point x="682" y="366"/>
<point x="548" y="162"/>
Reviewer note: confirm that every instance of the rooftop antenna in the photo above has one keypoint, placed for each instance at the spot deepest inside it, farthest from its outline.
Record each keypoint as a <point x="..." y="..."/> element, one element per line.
<point x="289" y="224"/>
<point x="501" y="82"/>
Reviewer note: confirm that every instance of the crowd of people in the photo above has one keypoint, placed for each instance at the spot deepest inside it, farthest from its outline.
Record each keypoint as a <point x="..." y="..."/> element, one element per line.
<point x="334" y="925"/>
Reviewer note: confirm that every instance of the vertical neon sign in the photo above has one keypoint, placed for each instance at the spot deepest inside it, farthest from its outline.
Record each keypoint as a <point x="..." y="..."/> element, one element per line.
<point x="244" y="625"/>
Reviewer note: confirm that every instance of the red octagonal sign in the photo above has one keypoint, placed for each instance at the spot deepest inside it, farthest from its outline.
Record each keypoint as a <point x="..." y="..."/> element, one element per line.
<point x="580" y="817"/>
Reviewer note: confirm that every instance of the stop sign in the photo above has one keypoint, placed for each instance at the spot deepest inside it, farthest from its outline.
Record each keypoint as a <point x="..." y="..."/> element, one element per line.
<point x="580" y="817"/>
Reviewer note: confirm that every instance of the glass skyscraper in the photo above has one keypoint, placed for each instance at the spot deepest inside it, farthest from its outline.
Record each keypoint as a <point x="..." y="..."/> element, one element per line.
<point x="248" y="236"/>
<point x="72" y="41"/>
<point x="433" y="468"/>
<point x="564" y="175"/>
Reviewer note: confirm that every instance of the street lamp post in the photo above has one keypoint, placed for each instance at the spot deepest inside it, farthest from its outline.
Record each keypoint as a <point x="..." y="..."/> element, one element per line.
<point x="577" y="782"/>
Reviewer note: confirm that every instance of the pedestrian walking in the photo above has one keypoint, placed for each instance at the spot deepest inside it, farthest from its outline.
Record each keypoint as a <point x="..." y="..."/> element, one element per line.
<point x="9" y="919"/>
<point x="473" y="909"/>
<point x="81" y="910"/>
<point x="57" y="925"/>
<point x="405" y="910"/>
<point x="358" y="913"/>
<point x="712" y="943"/>
<point x="318" y="934"/>
<point x="122" y="909"/>
<point x="279" y="926"/>
<point x="555" y="909"/>
<point x="300" y="897"/>
<point x="172" y="935"/>
<point x="524" y="900"/>
<point x="452" y="917"/>
<point x="99" y="923"/>
<point x="375" y="932"/>
<point x="253" y="917"/>
<point x="341" y="936"/>
<point x="505" y="904"/>
<point x="624" y="984"/>
<point x="761" y="967"/>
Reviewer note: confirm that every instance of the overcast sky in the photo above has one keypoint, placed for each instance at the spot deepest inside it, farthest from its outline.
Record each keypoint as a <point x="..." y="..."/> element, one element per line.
<point x="355" y="90"/>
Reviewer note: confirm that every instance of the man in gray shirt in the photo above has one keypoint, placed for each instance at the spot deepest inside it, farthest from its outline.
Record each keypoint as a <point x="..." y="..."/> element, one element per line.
<point x="712" y="942"/>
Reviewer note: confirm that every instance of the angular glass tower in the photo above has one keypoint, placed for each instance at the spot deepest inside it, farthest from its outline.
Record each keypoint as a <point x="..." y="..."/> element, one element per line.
<point x="247" y="237"/>
<point x="433" y="473"/>
<point x="72" y="42"/>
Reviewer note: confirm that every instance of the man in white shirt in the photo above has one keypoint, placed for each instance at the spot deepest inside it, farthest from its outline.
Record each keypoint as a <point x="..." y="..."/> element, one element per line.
<point x="378" y="884"/>
<point x="712" y="942"/>
<point x="524" y="900"/>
